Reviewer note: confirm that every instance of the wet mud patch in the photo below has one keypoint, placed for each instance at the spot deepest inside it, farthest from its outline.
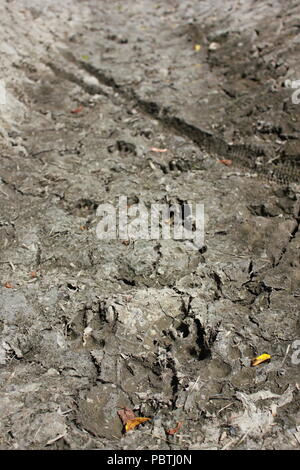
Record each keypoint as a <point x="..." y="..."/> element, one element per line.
<point x="100" y="109"/>
<point x="150" y="346"/>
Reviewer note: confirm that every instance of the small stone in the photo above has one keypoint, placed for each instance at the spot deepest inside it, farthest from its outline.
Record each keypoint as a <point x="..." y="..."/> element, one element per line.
<point x="213" y="46"/>
<point x="52" y="372"/>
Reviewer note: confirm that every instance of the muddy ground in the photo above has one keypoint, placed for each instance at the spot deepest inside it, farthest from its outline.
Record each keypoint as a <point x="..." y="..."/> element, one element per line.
<point x="163" y="327"/>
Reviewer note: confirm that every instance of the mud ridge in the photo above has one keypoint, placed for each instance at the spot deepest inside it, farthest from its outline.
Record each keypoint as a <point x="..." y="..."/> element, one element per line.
<point x="244" y="156"/>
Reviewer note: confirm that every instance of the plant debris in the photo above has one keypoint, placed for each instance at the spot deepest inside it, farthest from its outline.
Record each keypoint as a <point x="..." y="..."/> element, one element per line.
<point x="129" y="420"/>
<point x="260" y="359"/>
<point x="226" y="162"/>
<point x="155" y="149"/>
<point x="77" y="110"/>
<point x="8" y="285"/>
<point x="173" y="431"/>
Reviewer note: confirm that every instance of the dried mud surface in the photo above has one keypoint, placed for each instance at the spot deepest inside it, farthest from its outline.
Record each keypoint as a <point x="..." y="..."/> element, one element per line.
<point x="91" y="326"/>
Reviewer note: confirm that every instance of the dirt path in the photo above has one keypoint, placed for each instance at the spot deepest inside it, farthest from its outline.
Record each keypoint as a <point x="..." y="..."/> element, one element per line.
<point x="89" y="326"/>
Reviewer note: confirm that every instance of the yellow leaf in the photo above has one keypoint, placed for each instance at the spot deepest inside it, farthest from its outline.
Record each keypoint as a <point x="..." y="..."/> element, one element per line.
<point x="134" y="422"/>
<point x="197" y="47"/>
<point x="260" y="359"/>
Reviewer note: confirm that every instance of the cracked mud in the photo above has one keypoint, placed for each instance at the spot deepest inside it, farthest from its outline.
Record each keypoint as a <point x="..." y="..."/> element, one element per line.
<point x="90" y="326"/>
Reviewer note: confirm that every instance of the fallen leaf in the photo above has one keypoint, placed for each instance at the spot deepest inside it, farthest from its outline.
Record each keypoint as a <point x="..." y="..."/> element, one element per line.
<point x="133" y="423"/>
<point x="129" y="420"/>
<point x="126" y="242"/>
<point x="77" y="110"/>
<point x="125" y="414"/>
<point x="8" y="285"/>
<point x="33" y="274"/>
<point x="154" y="149"/>
<point x="226" y="162"/>
<point x="197" y="47"/>
<point x="170" y="432"/>
<point x="260" y="359"/>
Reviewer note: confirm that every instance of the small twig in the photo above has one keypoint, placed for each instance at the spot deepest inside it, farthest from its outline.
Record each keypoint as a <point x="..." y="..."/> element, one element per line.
<point x="5" y="194"/>
<point x="235" y="442"/>
<point x="286" y="353"/>
<point x="42" y="151"/>
<point x="219" y="397"/>
<point x="224" y="407"/>
<point x="56" y="438"/>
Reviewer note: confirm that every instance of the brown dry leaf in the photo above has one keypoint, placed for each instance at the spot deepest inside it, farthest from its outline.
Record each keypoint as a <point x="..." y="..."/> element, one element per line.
<point x="33" y="274"/>
<point x="260" y="359"/>
<point x="125" y="414"/>
<point x="133" y="423"/>
<point x="226" y="162"/>
<point x="154" y="149"/>
<point x="170" y="432"/>
<point x="8" y="285"/>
